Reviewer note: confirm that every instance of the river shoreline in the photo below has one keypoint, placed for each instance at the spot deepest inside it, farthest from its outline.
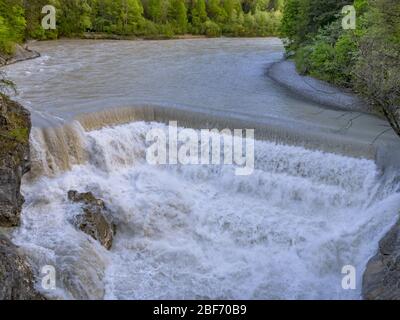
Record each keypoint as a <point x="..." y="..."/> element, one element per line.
<point x="22" y="53"/>
<point x="285" y="74"/>
<point x="381" y="277"/>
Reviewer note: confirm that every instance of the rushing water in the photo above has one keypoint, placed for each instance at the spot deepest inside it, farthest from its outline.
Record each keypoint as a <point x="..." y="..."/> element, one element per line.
<point x="318" y="200"/>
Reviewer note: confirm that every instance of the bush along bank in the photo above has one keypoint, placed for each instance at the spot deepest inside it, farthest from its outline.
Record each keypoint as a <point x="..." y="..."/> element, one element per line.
<point x="366" y="59"/>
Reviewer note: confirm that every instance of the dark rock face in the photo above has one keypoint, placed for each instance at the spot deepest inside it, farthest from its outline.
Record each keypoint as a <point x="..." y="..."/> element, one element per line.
<point x="15" y="126"/>
<point x="381" y="280"/>
<point x="16" y="278"/>
<point x="94" y="220"/>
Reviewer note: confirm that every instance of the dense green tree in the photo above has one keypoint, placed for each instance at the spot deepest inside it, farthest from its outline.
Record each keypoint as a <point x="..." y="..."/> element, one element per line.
<point x="12" y="24"/>
<point x="198" y="15"/>
<point x="177" y="14"/>
<point x="232" y="8"/>
<point x="33" y="16"/>
<point x="303" y="19"/>
<point x="294" y="22"/>
<point x="131" y="15"/>
<point x="321" y="13"/>
<point x="73" y="16"/>
<point x="21" y="19"/>
<point x="216" y="11"/>
<point x="212" y="29"/>
<point x="158" y="10"/>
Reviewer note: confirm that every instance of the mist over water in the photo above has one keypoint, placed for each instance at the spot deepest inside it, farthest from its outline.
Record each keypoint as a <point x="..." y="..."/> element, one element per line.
<point x="319" y="197"/>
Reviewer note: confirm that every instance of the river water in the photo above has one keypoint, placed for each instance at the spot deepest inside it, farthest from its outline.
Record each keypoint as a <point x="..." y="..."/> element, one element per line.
<point x="322" y="194"/>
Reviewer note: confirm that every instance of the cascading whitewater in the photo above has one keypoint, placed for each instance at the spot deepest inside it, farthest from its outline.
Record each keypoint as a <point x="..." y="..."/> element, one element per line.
<point x="286" y="231"/>
<point x="57" y="148"/>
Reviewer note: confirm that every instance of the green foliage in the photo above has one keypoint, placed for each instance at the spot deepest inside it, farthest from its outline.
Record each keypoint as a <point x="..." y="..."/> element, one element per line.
<point x="6" y="85"/>
<point x="321" y="13"/>
<point x="321" y="61"/>
<point x="33" y="16"/>
<point x="346" y="51"/>
<point x="19" y="134"/>
<point x="377" y="69"/>
<point x="212" y="29"/>
<point x="303" y="19"/>
<point x="154" y="18"/>
<point x="323" y="49"/>
<point x="73" y="16"/>
<point x="366" y="59"/>
<point x="303" y="59"/>
<point x="177" y="14"/>
<point x="216" y="11"/>
<point x="157" y="11"/>
<point x="130" y="16"/>
<point x="12" y="24"/>
<point x="361" y="6"/>
<point x="198" y="16"/>
<point x="294" y="22"/>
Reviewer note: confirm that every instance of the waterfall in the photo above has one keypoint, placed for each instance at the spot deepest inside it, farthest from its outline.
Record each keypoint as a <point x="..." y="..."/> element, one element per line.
<point x="199" y="231"/>
<point x="56" y="149"/>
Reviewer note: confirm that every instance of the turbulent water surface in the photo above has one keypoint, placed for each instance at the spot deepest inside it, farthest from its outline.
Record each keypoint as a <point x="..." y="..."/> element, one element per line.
<point x="318" y="200"/>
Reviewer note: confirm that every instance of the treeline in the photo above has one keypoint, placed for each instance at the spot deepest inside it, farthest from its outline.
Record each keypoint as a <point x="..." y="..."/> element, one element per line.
<point x="366" y="59"/>
<point x="21" y="19"/>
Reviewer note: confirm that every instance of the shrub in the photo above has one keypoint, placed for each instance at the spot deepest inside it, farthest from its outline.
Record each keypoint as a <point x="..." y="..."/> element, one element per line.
<point x="322" y="58"/>
<point x="303" y="59"/>
<point x="346" y="49"/>
<point x="212" y="29"/>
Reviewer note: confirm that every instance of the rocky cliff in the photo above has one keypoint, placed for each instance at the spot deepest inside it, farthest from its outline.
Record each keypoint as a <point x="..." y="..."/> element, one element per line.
<point x="381" y="279"/>
<point x="15" y="127"/>
<point x="16" y="276"/>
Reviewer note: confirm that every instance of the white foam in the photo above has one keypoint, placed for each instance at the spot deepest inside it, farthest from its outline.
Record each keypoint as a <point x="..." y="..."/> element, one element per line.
<point x="201" y="232"/>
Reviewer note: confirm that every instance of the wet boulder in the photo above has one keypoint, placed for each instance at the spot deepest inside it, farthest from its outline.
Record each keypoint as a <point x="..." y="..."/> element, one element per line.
<point x="16" y="277"/>
<point x="94" y="219"/>
<point x="381" y="280"/>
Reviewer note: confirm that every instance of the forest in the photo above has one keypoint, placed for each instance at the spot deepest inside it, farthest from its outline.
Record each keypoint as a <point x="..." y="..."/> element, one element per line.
<point x="21" y="19"/>
<point x="366" y="59"/>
